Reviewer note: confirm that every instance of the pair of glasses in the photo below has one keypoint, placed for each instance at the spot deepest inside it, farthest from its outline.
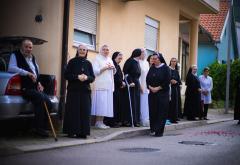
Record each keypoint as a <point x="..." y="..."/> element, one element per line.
<point x="83" y="49"/>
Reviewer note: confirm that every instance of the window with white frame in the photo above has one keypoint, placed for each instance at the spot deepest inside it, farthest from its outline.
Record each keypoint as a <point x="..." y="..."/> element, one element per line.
<point x="85" y="23"/>
<point x="151" y="35"/>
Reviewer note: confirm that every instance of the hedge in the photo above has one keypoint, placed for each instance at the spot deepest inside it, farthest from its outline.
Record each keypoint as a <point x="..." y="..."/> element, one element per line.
<point x="218" y="73"/>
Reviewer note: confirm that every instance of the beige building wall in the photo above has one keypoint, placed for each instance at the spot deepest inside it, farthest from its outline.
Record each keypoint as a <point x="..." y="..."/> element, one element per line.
<point x="18" y="19"/>
<point x="121" y="25"/>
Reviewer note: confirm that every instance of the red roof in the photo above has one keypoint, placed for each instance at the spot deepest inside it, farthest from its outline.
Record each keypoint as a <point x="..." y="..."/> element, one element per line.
<point x="214" y="23"/>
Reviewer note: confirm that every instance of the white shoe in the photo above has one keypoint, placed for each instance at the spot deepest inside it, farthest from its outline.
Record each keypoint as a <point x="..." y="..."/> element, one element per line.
<point x="101" y="126"/>
<point x="152" y="133"/>
<point x="145" y="124"/>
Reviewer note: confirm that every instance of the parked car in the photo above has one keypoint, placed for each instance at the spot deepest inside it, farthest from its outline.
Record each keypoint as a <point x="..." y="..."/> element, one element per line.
<point x="12" y="104"/>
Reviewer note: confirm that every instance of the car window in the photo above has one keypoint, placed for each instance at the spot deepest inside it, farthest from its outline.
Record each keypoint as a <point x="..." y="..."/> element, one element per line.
<point x="4" y="61"/>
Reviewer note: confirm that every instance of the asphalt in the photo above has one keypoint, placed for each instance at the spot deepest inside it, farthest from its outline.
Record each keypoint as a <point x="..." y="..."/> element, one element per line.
<point x="19" y="145"/>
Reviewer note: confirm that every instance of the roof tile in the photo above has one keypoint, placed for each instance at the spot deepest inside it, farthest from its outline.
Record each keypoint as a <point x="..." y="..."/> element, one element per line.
<point x="214" y="23"/>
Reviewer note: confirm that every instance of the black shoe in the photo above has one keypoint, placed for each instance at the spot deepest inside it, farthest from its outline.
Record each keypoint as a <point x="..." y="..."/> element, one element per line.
<point x="205" y="118"/>
<point x="238" y="122"/>
<point x="127" y="124"/>
<point x="70" y="135"/>
<point x="115" y="125"/>
<point x="42" y="133"/>
<point x="191" y="119"/>
<point x="157" y="134"/>
<point x="81" y="136"/>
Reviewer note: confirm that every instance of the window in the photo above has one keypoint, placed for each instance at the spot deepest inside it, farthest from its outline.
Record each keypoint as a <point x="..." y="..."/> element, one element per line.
<point x="85" y="23"/>
<point x="151" y="35"/>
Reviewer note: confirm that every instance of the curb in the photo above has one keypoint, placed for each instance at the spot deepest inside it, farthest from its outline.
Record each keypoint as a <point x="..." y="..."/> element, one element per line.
<point x="117" y="135"/>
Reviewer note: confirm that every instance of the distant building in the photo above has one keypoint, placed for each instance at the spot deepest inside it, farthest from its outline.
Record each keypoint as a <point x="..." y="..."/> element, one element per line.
<point x="214" y="33"/>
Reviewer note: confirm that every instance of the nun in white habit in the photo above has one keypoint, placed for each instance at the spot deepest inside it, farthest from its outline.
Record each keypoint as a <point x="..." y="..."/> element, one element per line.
<point x="144" y="65"/>
<point x="103" y="87"/>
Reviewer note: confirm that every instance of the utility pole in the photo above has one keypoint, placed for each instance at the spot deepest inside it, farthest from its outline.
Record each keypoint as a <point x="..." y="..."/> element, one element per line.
<point x="228" y="58"/>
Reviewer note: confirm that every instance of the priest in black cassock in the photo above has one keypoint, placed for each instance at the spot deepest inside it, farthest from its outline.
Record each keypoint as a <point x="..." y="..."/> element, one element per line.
<point x="192" y="105"/>
<point x="132" y="73"/>
<point x="173" y="114"/>
<point x="237" y="101"/>
<point x="79" y="73"/>
<point x="158" y="81"/>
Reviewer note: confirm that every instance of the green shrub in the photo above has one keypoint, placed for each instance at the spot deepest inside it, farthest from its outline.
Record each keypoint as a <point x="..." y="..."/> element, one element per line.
<point x="218" y="73"/>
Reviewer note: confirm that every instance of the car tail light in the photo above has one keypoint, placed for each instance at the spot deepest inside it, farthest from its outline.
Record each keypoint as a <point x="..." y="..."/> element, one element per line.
<point x="55" y="87"/>
<point x="14" y="86"/>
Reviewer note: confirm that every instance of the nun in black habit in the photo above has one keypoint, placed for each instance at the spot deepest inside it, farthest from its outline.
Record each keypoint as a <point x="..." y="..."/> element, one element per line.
<point x="192" y="105"/>
<point x="119" y="85"/>
<point x="158" y="81"/>
<point x="79" y="73"/>
<point x="132" y="73"/>
<point x="173" y="114"/>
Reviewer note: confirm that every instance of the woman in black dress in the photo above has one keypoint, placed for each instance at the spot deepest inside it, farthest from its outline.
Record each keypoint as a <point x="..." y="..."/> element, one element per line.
<point x="175" y="87"/>
<point x="119" y="84"/>
<point x="79" y="73"/>
<point x="192" y="105"/>
<point x="132" y="73"/>
<point x="158" y="80"/>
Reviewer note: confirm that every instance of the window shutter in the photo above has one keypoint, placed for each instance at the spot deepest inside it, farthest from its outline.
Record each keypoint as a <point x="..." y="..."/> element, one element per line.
<point x="151" y="34"/>
<point x="85" y="16"/>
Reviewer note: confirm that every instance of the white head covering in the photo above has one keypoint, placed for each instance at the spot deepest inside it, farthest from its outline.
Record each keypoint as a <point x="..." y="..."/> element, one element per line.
<point x="144" y="70"/>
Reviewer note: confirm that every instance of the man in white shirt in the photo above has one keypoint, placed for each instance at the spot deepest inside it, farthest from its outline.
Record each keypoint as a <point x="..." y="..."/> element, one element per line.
<point x="23" y="62"/>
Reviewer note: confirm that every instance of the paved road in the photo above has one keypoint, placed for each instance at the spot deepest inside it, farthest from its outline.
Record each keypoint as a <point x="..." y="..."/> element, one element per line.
<point x="223" y="148"/>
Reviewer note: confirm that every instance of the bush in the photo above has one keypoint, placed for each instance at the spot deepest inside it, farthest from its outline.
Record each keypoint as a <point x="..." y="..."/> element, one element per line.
<point x="218" y="73"/>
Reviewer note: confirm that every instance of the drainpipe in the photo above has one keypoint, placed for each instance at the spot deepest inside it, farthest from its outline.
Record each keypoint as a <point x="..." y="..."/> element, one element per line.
<point x="228" y="59"/>
<point x="64" y="57"/>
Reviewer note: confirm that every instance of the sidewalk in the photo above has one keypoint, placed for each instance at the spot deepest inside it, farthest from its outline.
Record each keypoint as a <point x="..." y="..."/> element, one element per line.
<point x="11" y="146"/>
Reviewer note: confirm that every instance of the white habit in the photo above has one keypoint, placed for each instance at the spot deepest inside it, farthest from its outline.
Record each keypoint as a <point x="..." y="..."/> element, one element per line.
<point x="144" y="116"/>
<point x="103" y="87"/>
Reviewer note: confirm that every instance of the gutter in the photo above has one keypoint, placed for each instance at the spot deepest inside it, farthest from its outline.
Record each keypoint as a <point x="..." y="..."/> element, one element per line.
<point x="64" y="57"/>
<point x="210" y="7"/>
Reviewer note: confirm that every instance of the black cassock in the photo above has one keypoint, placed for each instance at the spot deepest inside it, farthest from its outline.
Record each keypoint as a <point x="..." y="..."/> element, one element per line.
<point x="192" y="105"/>
<point x="78" y="101"/>
<point x="159" y="101"/>
<point x="132" y="69"/>
<point x="117" y="98"/>
<point x="237" y="101"/>
<point x="174" y="111"/>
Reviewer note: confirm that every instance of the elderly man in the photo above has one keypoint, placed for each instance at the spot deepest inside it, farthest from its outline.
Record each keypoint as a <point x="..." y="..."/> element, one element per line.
<point x="23" y="62"/>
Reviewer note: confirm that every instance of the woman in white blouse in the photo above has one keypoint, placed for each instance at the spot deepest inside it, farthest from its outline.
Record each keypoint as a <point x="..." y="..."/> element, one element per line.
<point x="103" y="87"/>
<point x="206" y="88"/>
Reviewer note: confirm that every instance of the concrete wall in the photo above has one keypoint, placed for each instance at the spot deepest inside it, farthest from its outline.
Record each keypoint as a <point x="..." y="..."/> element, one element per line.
<point x="207" y="54"/>
<point x="18" y="18"/>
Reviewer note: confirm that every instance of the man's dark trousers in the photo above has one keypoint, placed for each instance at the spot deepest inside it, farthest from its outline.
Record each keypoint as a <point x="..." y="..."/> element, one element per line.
<point x="38" y="98"/>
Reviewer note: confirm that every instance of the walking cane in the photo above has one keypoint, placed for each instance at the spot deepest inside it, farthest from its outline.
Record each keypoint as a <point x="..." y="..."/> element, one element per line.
<point x="50" y="121"/>
<point x="130" y="101"/>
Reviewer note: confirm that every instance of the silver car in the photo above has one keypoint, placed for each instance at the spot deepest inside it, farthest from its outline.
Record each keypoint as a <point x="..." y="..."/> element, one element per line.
<point x="12" y="104"/>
